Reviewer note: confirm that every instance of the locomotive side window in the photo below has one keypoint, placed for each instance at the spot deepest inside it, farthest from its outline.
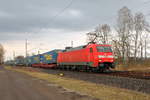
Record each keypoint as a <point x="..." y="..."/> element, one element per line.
<point x="91" y="50"/>
<point x="104" y="49"/>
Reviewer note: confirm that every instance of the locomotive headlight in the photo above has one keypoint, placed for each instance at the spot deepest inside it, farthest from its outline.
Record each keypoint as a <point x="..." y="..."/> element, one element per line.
<point x="110" y="56"/>
<point x="100" y="60"/>
<point x="101" y="56"/>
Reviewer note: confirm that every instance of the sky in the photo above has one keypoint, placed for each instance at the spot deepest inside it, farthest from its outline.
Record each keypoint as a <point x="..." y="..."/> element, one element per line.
<point x="53" y="24"/>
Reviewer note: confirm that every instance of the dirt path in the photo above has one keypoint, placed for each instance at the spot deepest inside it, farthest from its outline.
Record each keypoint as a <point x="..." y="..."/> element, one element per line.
<point x="18" y="86"/>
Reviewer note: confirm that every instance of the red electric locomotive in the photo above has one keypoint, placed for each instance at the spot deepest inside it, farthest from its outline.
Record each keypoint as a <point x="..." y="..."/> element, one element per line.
<point x="89" y="57"/>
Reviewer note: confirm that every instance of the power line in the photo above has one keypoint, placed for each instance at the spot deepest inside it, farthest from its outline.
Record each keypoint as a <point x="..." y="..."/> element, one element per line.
<point x="141" y="6"/>
<point x="146" y="2"/>
<point x="60" y="12"/>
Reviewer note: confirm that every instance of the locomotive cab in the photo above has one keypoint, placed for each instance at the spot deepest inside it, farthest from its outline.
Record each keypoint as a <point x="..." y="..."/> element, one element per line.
<point x="105" y="56"/>
<point x="101" y="56"/>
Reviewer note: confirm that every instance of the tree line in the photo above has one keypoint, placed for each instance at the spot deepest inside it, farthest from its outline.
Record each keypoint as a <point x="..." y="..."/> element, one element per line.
<point x="1" y="54"/>
<point x="129" y="37"/>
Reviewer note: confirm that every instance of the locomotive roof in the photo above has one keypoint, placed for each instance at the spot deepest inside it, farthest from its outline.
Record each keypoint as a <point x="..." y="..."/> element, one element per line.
<point x="76" y="48"/>
<point x="84" y="46"/>
<point x="102" y="44"/>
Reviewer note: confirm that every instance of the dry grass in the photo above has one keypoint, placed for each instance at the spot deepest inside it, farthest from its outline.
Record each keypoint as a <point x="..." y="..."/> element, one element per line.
<point x="100" y="91"/>
<point x="134" y="67"/>
<point x="140" y="65"/>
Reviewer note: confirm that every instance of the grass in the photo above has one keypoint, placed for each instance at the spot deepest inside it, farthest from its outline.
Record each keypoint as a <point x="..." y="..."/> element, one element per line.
<point x="133" y="67"/>
<point x="140" y="65"/>
<point x="99" y="91"/>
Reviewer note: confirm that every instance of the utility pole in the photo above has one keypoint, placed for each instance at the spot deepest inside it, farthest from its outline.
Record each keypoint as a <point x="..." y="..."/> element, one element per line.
<point x="26" y="47"/>
<point x="14" y="58"/>
<point x="38" y="51"/>
<point x="40" y="59"/>
<point x="26" y="52"/>
<point x="72" y="44"/>
<point x="13" y="54"/>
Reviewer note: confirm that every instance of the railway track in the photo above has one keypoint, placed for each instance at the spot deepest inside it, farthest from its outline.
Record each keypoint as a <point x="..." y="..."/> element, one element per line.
<point x="121" y="79"/>
<point x="130" y="74"/>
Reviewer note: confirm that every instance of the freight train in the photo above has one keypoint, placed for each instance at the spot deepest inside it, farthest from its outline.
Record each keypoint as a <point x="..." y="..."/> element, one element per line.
<point x="87" y="57"/>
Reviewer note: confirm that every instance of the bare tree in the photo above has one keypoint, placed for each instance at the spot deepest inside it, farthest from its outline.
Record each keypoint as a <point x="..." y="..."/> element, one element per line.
<point x="146" y="37"/>
<point x="92" y="37"/>
<point x="100" y="35"/>
<point x="124" y="30"/>
<point x="140" y="27"/>
<point x="103" y="33"/>
<point x="1" y="54"/>
<point x="116" y="48"/>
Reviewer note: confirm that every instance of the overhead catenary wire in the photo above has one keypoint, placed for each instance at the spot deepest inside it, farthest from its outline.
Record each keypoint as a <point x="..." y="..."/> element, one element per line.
<point x="146" y="2"/>
<point x="56" y="15"/>
<point x="61" y="11"/>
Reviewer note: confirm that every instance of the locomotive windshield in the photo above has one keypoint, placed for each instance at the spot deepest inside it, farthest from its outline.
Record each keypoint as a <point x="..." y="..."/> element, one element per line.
<point x="104" y="49"/>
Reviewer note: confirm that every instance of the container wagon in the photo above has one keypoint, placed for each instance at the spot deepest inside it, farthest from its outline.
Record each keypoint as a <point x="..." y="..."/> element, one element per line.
<point x="44" y="60"/>
<point x="49" y="59"/>
<point x="35" y="60"/>
<point x="20" y="62"/>
<point x="29" y="61"/>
